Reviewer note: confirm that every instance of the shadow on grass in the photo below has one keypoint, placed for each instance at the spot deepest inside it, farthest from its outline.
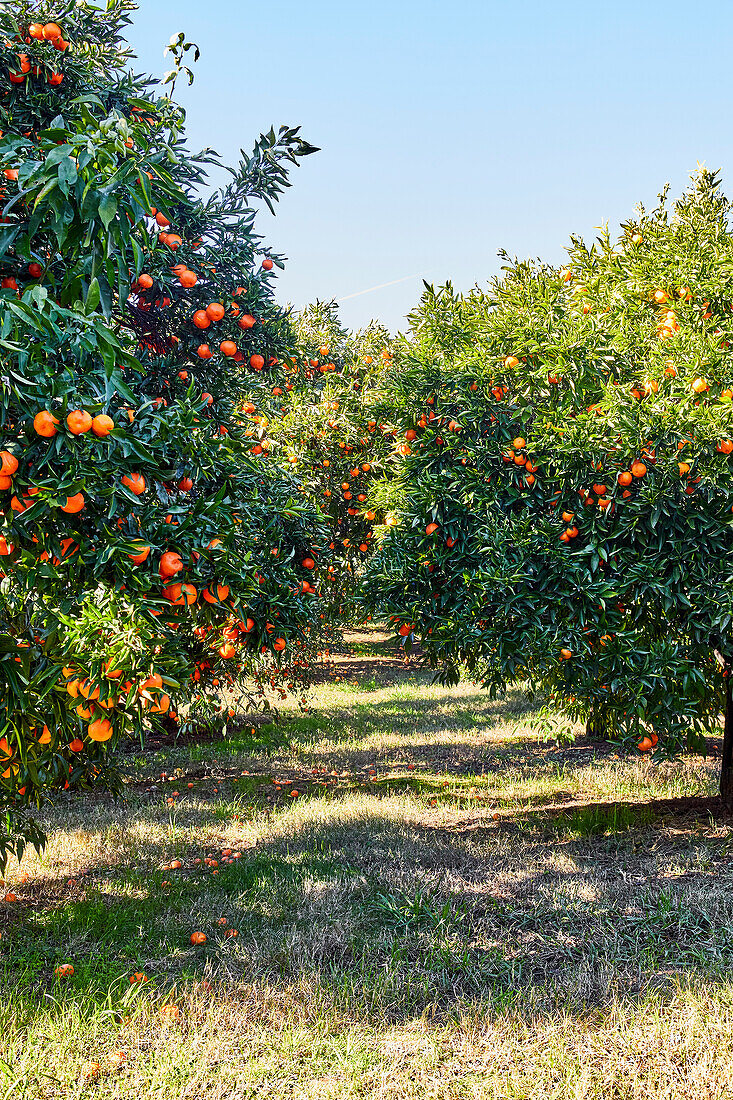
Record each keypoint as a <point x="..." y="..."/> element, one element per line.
<point x="397" y="918"/>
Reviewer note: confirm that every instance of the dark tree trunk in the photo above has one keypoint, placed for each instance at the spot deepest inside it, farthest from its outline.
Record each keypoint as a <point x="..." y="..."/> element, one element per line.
<point x="726" y="767"/>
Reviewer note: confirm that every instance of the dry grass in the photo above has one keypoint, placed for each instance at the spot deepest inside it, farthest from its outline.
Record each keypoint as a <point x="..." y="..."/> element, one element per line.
<point x="450" y="908"/>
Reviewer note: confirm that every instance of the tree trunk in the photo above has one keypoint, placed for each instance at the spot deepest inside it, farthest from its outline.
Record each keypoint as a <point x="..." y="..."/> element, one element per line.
<point x="726" y="767"/>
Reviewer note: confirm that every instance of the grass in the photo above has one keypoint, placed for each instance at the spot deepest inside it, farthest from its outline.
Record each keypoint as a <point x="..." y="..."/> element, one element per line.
<point x="450" y="907"/>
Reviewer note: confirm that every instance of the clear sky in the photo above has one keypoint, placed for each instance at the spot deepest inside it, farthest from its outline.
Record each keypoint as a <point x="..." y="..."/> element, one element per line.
<point x="451" y="128"/>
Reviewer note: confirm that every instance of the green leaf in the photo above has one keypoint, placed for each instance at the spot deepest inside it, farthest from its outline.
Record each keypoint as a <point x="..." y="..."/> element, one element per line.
<point x="93" y="296"/>
<point x="108" y="210"/>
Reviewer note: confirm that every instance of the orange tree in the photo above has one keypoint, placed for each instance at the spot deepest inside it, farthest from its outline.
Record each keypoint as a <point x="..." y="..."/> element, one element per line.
<point x="152" y="553"/>
<point x="329" y="434"/>
<point x="564" y="516"/>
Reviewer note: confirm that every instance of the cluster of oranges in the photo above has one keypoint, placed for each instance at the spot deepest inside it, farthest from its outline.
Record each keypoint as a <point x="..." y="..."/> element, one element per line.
<point x="44" y="33"/>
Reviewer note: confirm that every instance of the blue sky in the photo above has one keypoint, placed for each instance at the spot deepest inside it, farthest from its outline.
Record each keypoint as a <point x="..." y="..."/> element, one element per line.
<point x="451" y="129"/>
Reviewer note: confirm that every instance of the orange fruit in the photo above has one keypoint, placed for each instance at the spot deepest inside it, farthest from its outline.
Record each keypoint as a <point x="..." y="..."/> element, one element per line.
<point x="52" y="31"/>
<point x="45" y="424"/>
<point x="215" y="311"/>
<point x="102" y="425"/>
<point x="9" y="464"/>
<point x="135" y="483"/>
<point x="181" y="594"/>
<point x="170" y="564"/>
<point x="256" y="362"/>
<point x="101" y="730"/>
<point x="198" y="938"/>
<point x="228" y="348"/>
<point x="73" y="504"/>
<point x="141" y="556"/>
<point x="279" y="644"/>
<point x="64" y="970"/>
<point x="221" y="593"/>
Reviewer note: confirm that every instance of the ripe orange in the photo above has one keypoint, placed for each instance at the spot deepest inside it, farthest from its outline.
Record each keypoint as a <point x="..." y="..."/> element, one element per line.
<point x="566" y="654"/>
<point x="101" y="730"/>
<point x="135" y="483"/>
<point x="102" y="425"/>
<point x="181" y="594"/>
<point x="141" y="556"/>
<point x="431" y="528"/>
<point x="267" y="264"/>
<point x="279" y="644"/>
<point x="246" y="321"/>
<point x="9" y="464"/>
<point x="170" y="564"/>
<point x="201" y="319"/>
<point x="45" y="424"/>
<point x="64" y="970"/>
<point x="52" y="31"/>
<point x="638" y="469"/>
<point x="187" y="278"/>
<point x="256" y="362"/>
<point x="215" y="311"/>
<point x="73" y="504"/>
<point x="221" y="594"/>
<point x="204" y="351"/>
<point x="78" y="421"/>
<point x="228" y="348"/>
<point x="198" y="937"/>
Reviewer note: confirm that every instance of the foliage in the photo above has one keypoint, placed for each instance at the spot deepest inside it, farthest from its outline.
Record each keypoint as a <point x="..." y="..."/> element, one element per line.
<point x="565" y="508"/>
<point x="330" y="436"/>
<point x="152" y="550"/>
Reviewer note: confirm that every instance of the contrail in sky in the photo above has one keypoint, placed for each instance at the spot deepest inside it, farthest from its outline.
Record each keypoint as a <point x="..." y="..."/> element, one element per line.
<point x="380" y="287"/>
